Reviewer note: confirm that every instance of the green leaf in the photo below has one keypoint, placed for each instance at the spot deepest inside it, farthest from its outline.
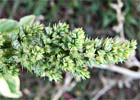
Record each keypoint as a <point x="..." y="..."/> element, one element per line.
<point x="8" y="25"/>
<point x="131" y="20"/>
<point x="27" y="20"/>
<point x="10" y="86"/>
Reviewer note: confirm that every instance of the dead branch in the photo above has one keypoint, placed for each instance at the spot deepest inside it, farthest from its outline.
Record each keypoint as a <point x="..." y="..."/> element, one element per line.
<point x="67" y="86"/>
<point x="120" y="70"/>
<point x="104" y="90"/>
<point x="120" y="18"/>
<point x="109" y="84"/>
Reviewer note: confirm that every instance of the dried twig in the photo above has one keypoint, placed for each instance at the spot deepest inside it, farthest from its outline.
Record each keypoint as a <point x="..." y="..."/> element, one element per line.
<point x="67" y="86"/>
<point x="133" y="61"/>
<point x="120" y="70"/>
<point x="120" y="18"/>
<point x="104" y="89"/>
<point x="110" y="83"/>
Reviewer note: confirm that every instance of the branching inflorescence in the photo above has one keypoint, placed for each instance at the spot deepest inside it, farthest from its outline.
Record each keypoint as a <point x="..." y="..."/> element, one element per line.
<point x="49" y="51"/>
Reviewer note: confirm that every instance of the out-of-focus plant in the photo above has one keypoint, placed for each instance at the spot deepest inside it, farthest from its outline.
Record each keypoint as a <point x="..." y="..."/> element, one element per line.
<point x="51" y="50"/>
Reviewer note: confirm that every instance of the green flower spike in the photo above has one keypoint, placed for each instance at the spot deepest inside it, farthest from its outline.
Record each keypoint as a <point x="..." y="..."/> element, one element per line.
<point x="50" y="51"/>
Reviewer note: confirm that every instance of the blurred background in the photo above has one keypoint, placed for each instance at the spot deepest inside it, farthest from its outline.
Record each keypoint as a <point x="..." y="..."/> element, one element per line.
<point x="97" y="18"/>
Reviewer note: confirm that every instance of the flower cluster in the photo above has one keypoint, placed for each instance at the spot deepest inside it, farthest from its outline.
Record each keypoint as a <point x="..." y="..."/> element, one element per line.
<point x="108" y="51"/>
<point x="7" y="62"/>
<point x="50" y="51"/>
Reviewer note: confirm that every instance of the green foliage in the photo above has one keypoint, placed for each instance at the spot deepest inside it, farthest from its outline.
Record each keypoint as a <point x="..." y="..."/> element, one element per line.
<point x="7" y="64"/>
<point x="108" y="51"/>
<point x="8" y="25"/>
<point x="27" y="20"/>
<point x="10" y="86"/>
<point x="9" y="80"/>
<point x="51" y="50"/>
